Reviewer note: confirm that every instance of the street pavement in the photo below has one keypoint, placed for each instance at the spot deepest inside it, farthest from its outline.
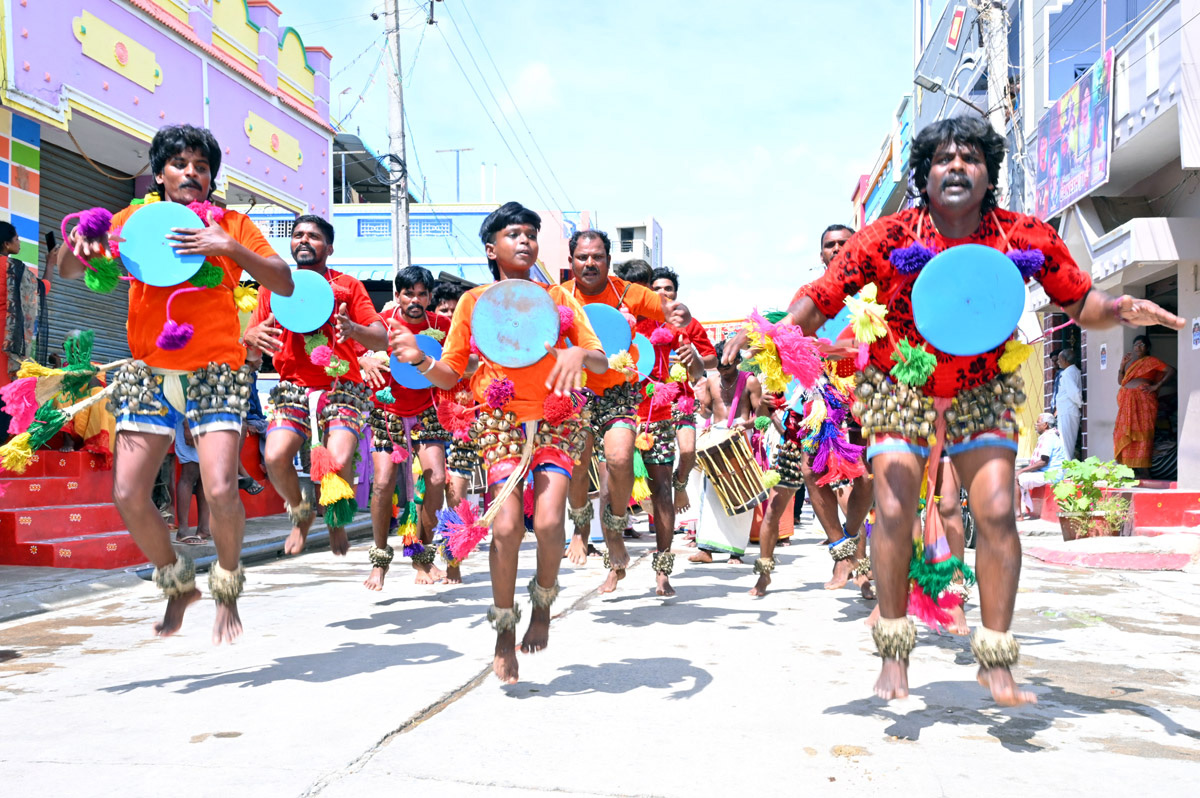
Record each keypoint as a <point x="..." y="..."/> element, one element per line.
<point x="337" y="691"/>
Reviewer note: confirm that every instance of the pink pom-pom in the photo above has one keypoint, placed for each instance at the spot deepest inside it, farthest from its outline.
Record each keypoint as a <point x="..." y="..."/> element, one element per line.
<point x="566" y="319"/>
<point x="95" y="223"/>
<point x="321" y="355"/>
<point x="205" y="209"/>
<point x="455" y="418"/>
<point x="687" y="405"/>
<point x="527" y="500"/>
<point x="931" y="613"/>
<point x="399" y="455"/>
<point x="798" y="354"/>
<point x="499" y="393"/>
<point x="863" y="357"/>
<point x="557" y="409"/>
<point x="462" y="538"/>
<point x="664" y="394"/>
<point x="174" y="336"/>
<point x="474" y="346"/>
<point x="321" y="462"/>
<point x="20" y="402"/>
<point x="662" y="337"/>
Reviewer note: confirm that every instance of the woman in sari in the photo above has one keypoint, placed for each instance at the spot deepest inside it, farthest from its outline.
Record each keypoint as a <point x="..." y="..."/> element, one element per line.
<point x="1141" y="375"/>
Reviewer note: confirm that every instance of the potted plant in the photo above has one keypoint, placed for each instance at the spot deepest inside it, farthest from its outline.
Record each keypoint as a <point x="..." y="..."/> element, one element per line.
<point x="1080" y="493"/>
<point x="1115" y="510"/>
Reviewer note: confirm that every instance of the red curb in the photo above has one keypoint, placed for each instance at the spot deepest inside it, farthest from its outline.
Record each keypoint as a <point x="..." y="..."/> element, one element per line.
<point x="1124" y="561"/>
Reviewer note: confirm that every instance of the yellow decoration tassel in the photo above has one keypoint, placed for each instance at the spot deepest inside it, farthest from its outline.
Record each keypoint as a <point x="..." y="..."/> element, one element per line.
<point x="1015" y="353"/>
<point x="31" y="369"/>
<point x="334" y="488"/>
<point x="246" y="298"/>
<point x="641" y="490"/>
<point x="816" y="415"/>
<point x="867" y="316"/>
<point x="16" y="454"/>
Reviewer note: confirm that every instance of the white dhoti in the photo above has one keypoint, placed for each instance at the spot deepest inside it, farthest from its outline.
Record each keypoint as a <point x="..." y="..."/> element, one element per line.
<point x="1028" y="481"/>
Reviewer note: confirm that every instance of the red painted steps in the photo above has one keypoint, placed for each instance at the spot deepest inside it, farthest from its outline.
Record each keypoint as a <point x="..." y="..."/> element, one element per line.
<point x="106" y="550"/>
<point x="32" y="524"/>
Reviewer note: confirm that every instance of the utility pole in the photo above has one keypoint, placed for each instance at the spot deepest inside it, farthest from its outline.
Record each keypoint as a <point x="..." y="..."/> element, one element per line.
<point x="457" y="174"/>
<point x="399" y="184"/>
<point x="994" y="22"/>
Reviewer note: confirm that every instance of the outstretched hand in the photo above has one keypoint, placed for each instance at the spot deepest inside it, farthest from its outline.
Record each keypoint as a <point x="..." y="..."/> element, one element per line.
<point x="264" y="337"/>
<point x="404" y="345"/>
<point x="374" y="371"/>
<point x="1144" y="313"/>
<point x="342" y="324"/>
<point x="567" y="374"/>
<point x="733" y="347"/>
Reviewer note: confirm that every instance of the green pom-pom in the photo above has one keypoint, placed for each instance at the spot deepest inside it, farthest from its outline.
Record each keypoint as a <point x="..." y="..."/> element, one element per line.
<point x="337" y="367"/>
<point x="78" y="348"/>
<point x="639" y="466"/>
<point x="914" y="364"/>
<point x="385" y="395"/>
<point x="771" y="478"/>
<point x="311" y="342"/>
<point x="104" y="275"/>
<point x="774" y="316"/>
<point x="341" y="512"/>
<point x="419" y="491"/>
<point x="936" y="577"/>
<point x="761" y="423"/>
<point x="408" y="513"/>
<point x="48" y="421"/>
<point x="209" y="276"/>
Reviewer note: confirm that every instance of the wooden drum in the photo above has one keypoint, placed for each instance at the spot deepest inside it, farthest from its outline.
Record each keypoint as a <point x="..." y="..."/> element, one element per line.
<point x="725" y="458"/>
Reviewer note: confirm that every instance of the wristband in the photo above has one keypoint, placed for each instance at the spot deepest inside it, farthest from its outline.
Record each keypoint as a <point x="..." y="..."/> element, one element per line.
<point x="432" y="363"/>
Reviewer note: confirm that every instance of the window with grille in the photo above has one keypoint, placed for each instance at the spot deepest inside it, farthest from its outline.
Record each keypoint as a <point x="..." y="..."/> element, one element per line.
<point x="431" y="227"/>
<point x="277" y="228"/>
<point x="380" y="227"/>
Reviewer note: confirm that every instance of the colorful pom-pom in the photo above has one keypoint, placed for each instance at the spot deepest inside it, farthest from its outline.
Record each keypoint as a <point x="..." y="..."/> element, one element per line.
<point x="399" y="454"/>
<point x="771" y="478"/>
<point x="208" y="276"/>
<point x="761" y="423"/>
<point x="556" y="409"/>
<point x="499" y="393"/>
<point x="314" y="340"/>
<point x="910" y="260"/>
<point x="434" y="333"/>
<point x="102" y="275"/>
<point x="623" y="362"/>
<point x="321" y="355"/>
<point x="95" y="222"/>
<point x="20" y="402"/>
<point x="1028" y="261"/>
<point x="678" y="373"/>
<point x="868" y="318"/>
<point x="644" y="441"/>
<point x="686" y="405"/>
<point x="337" y="367"/>
<point x="385" y="395"/>
<point x="662" y="337"/>
<point x="174" y="336"/>
<point x="246" y="298"/>
<point x="1015" y="353"/>
<point x="914" y="364"/>
<point x="566" y="319"/>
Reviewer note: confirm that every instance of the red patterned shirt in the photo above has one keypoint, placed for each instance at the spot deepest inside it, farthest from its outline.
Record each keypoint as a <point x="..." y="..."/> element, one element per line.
<point x="864" y="260"/>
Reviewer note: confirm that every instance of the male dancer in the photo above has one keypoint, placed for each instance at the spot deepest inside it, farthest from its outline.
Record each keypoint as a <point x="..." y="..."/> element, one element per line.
<point x="696" y="352"/>
<point x="956" y="164"/>
<point x="409" y="415"/>
<point x="185" y="160"/>
<point x="462" y="458"/>
<point x="614" y="409"/>
<point x="793" y="460"/>
<point x="509" y="235"/>
<point x="343" y="408"/>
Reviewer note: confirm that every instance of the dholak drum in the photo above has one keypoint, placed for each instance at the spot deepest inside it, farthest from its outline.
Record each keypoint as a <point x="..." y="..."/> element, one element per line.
<point x="478" y="480"/>
<point x="725" y="457"/>
<point x="594" y="475"/>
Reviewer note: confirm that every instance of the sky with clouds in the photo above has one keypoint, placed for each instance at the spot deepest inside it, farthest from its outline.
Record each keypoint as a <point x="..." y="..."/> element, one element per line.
<point x="741" y="127"/>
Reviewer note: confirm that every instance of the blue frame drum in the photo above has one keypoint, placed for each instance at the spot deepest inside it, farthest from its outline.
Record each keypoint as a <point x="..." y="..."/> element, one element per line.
<point x="147" y="252"/>
<point x="968" y="299"/>
<point x="512" y="321"/>
<point x="406" y="373"/>
<point x="611" y="326"/>
<point x="309" y="307"/>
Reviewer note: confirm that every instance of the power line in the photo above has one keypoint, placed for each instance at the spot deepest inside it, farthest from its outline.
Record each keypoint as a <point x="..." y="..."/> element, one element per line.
<point x="483" y="105"/>
<point x="500" y="108"/>
<point x="520" y="116"/>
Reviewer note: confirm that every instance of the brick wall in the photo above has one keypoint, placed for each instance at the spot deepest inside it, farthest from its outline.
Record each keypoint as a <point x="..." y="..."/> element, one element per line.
<point x="1070" y="337"/>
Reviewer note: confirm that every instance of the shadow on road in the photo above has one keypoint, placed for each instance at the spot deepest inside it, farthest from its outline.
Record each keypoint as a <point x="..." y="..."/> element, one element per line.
<point x="404" y="622"/>
<point x="675" y="614"/>
<point x="348" y="659"/>
<point x="613" y="678"/>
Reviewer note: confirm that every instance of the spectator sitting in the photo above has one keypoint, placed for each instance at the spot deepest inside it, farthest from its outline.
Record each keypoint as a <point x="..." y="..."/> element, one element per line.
<point x="1044" y="467"/>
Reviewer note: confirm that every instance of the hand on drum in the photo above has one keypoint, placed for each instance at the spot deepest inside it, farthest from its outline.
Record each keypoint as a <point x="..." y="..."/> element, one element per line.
<point x="1144" y="313"/>
<point x="210" y="240"/>
<point x="374" y="371"/>
<point x="264" y="337"/>
<point x="404" y="345"/>
<point x="567" y="374"/>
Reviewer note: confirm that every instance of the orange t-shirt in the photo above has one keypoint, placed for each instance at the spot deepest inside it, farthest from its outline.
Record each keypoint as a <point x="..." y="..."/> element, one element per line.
<point x="638" y="300"/>
<point x="211" y="312"/>
<point x="293" y="363"/>
<point x="529" y="382"/>
<point x="408" y="401"/>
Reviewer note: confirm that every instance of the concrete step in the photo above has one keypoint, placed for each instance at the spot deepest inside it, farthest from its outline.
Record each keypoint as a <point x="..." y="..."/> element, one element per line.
<point x="1156" y="531"/>
<point x="34" y="524"/>
<point x="106" y="550"/>
<point x="1191" y="518"/>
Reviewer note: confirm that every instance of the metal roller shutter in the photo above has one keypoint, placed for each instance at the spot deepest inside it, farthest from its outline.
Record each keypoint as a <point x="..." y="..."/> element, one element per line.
<point x="70" y="184"/>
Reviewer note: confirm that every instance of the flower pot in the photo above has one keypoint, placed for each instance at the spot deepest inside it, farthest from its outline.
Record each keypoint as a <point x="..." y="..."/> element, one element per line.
<point x="1084" y="525"/>
<point x="1071" y="523"/>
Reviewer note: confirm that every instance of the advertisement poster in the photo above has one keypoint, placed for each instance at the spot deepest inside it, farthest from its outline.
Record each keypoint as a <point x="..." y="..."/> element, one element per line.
<point x="1075" y="141"/>
<point x="1103" y="357"/>
<point x="1195" y="334"/>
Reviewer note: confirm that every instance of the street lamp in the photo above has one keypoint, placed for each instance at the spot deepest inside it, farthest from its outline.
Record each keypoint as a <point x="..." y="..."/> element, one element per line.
<point x="934" y="85"/>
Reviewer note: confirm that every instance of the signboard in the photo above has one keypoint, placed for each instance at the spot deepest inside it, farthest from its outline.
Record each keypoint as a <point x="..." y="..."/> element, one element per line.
<point x="1075" y="142"/>
<point x="956" y="27"/>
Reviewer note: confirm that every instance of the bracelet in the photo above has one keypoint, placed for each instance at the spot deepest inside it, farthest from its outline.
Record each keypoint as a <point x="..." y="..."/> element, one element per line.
<point x="432" y="363"/>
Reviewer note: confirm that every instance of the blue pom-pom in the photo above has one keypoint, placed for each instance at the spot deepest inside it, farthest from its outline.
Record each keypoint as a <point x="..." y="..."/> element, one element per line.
<point x="445" y="518"/>
<point x="413" y="548"/>
<point x="1029" y="261"/>
<point x="910" y="260"/>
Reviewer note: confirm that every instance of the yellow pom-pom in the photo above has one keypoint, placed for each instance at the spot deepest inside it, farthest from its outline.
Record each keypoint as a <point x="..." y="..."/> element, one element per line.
<point x="644" y="441"/>
<point x="1015" y="353"/>
<point x="433" y="333"/>
<point x="31" y="369"/>
<point x="678" y="373"/>
<point x="641" y="490"/>
<point x="771" y="479"/>
<point x="816" y="415"/>
<point x="246" y="298"/>
<point x="623" y="362"/>
<point x="16" y="454"/>
<point x="334" y="488"/>
<point x="868" y="318"/>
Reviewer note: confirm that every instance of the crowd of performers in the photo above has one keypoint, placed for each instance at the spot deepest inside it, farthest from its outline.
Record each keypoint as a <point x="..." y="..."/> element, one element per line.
<point x="877" y="413"/>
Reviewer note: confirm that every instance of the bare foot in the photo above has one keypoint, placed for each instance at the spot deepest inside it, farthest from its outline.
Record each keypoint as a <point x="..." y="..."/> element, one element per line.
<point x="1004" y="688"/>
<point x="537" y="636"/>
<point x="437" y="573"/>
<point x="691" y="544"/>
<point x="682" y="502"/>
<point x="663" y="585"/>
<point x="610" y="582"/>
<point x="227" y="626"/>
<point x="426" y="574"/>
<point x="873" y="618"/>
<point x="375" y="580"/>
<point x="577" y="552"/>
<point x="783" y="542"/>
<point x="700" y="556"/>
<point x="618" y="557"/>
<point x="735" y="560"/>
<point x="841" y="574"/>
<point x="453" y="575"/>
<point x="504" y="665"/>
<point x="893" y="680"/>
<point x="339" y="544"/>
<point x="864" y="585"/>
<point x="760" y="587"/>
<point x="295" y="542"/>
<point x="173" y="616"/>
<point x="958" y="626"/>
